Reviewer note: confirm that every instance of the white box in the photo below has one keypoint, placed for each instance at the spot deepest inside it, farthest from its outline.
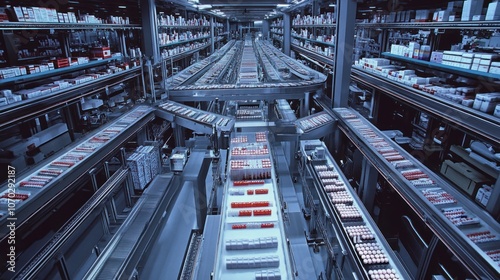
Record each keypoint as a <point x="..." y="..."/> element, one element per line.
<point x="443" y="15"/>
<point x="493" y="12"/>
<point x="494" y="70"/>
<point x="490" y="101"/>
<point x="413" y="50"/>
<point x="483" y="68"/>
<point x="496" y="113"/>
<point x="471" y="8"/>
<point x="478" y="101"/>
<point x="466" y="60"/>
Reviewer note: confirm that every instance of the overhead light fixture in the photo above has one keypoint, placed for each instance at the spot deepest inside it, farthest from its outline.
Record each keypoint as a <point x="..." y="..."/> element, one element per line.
<point x="332" y="5"/>
<point x="372" y="7"/>
<point x="205" y="6"/>
<point x="282" y="5"/>
<point x="122" y="7"/>
<point x="257" y="22"/>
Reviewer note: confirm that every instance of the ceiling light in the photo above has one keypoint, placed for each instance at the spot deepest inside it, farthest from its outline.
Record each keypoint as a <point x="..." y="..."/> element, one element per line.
<point x="282" y="5"/>
<point x="372" y="7"/>
<point x="332" y="5"/>
<point x="122" y="7"/>
<point x="257" y="22"/>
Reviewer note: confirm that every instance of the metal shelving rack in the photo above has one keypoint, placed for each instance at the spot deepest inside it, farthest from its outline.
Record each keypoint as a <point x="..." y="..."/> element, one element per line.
<point x="475" y="121"/>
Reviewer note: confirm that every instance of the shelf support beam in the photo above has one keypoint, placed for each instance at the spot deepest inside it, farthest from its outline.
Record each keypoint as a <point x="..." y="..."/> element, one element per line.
<point x="149" y="30"/>
<point x="212" y="35"/>
<point x="287" y="33"/>
<point x="346" y="15"/>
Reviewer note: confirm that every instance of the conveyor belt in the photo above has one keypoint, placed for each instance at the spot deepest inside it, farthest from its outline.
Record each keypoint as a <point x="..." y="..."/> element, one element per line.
<point x="134" y="235"/>
<point x="472" y="238"/>
<point x="252" y="242"/>
<point x="360" y="240"/>
<point x="52" y="180"/>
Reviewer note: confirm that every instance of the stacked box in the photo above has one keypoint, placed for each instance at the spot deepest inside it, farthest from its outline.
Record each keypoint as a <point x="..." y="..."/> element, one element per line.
<point x="486" y="102"/>
<point x="250" y="169"/>
<point x="136" y="162"/>
<point x="471" y="8"/>
<point x="152" y="161"/>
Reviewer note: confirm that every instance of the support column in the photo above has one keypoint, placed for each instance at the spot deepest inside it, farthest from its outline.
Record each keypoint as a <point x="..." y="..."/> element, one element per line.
<point x="149" y="30"/>
<point x="346" y="20"/>
<point x="178" y="134"/>
<point x="265" y="29"/>
<point x="493" y="207"/>
<point x="304" y="105"/>
<point x="287" y="33"/>
<point x="212" y="34"/>
<point x="368" y="184"/>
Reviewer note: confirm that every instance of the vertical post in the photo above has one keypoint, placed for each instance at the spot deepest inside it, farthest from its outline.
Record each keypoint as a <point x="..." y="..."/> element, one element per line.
<point x="149" y="30"/>
<point x="212" y="34"/>
<point x="265" y="29"/>
<point x="287" y="33"/>
<point x="62" y="268"/>
<point x="69" y="122"/>
<point x="123" y="44"/>
<point x="493" y="207"/>
<point x="346" y="15"/>
<point x="368" y="184"/>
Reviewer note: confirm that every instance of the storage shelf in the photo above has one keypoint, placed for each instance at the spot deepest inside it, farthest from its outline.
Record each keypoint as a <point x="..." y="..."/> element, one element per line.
<point x="315" y="41"/>
<point x="185" y="26"/>
<point x="65" y="26"/>
<point x="482" y="124"/>
<point x="25" y="109"/>
<point x="183" y="42"/>
<point x="33" y="57"/>
<point x="368" y="139"/>
<point x="278" y="33"/>
<point x="432" y="25"/>
<point x="446" y="68"/>
<point x="315" y="25"/>
<point x="314" y="55"/>
<point x="55" y="72"/>
<point x="185" y="54"/>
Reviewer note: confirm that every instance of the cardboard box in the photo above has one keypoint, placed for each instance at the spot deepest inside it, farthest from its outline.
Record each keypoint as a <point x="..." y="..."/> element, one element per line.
<point x="437" y="57"/>
<point x="101" y="52"/>
<point x="496" y="113"/>
<point x="483" y="195"/>
<point x="489" y="102"/>
<point x="464" y="176"/>
<point x="483" y="68"/>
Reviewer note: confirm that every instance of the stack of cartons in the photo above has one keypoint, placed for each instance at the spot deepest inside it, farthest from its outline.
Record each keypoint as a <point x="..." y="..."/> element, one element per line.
<point x="136" y="162"/>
